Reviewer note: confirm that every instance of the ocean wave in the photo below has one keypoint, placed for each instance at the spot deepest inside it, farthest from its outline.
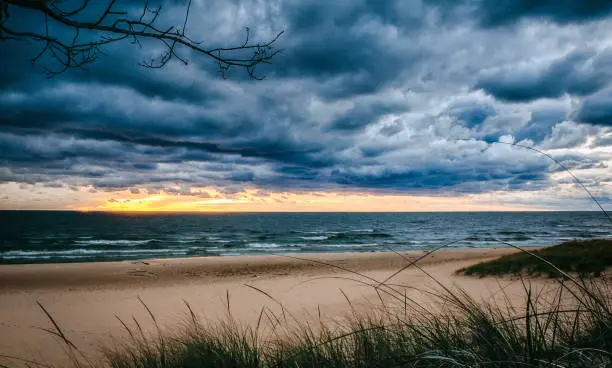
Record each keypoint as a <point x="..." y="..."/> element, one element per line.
<point x="319" y="237"/>
<point x="81" y="251"/>
<point x="30" y="258"/>
<point x="280" y="247"/>
<point x="350" y="245"/>
<point x="217" y="239"/>
<point x="341" y="236"/>
<point x="507" y="232"/>
<point x="476" y="238"/>
<point x="275" y="250"/>
<point x="186" y="241"/>
<point x="319" y="232"/>
<point x="578" y="234"/>
<point x="265" y="245"/>
<point x="113" y="242"/>
<point x="518" y="238"/>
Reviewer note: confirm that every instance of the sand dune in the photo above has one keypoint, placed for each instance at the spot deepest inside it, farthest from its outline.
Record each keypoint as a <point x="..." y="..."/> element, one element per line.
<point x="86" y="298"/>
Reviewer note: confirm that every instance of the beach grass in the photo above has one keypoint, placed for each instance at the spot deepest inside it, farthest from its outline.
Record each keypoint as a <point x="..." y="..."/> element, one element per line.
<point x="585" y="257"/>
<point x="465" y="333"/>
<point x="569" y="325"/>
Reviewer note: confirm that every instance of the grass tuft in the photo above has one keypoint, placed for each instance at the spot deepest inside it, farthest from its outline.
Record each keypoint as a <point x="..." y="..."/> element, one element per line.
<point x="585" y="258"/>
<point x="466" y="333"/>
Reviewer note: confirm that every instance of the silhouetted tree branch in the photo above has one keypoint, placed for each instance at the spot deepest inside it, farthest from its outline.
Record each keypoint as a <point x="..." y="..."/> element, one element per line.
<point x="111" y="25"/>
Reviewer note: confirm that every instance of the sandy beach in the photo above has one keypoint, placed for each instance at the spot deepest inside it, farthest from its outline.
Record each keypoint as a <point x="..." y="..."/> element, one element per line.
<point x="86" y="298"/>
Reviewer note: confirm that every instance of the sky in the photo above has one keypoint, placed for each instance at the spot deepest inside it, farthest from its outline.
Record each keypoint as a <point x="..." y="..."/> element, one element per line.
<point x="399" y="105"/>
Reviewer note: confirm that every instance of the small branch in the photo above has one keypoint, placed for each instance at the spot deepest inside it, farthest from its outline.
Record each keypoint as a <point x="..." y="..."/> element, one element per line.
<point x="70" y="53"/>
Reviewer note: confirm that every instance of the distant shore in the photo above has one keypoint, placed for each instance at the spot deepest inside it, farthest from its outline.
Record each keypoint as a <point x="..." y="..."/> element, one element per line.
<point x="85" y="298"/>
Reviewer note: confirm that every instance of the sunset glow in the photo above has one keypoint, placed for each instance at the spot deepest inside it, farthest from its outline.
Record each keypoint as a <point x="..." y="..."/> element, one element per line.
<point x="86" y="199"/>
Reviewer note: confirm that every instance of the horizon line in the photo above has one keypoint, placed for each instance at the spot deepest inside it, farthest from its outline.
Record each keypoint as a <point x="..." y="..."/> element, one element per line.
<point x="263" y="212"/>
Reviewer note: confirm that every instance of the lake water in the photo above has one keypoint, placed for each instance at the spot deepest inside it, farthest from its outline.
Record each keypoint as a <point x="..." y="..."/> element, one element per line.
<point x="58" y="236"/>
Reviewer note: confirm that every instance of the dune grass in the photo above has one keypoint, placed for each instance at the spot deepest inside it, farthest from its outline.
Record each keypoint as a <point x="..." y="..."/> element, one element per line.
<point x="465" y="333"/>
<point x="569" y="325"/>
<point x="586" y="257"/>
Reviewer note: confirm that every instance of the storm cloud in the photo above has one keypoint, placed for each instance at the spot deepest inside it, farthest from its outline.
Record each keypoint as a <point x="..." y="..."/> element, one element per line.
<point x="597" y="109"/>
<point x="404" y="96"/>
<point x="578" y="73"/>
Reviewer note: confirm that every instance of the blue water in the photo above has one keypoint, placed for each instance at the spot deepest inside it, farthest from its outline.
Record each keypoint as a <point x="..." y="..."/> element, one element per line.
<point x="53" y="236"/>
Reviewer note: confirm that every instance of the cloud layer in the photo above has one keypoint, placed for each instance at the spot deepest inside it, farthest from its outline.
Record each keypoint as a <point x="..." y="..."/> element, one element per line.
<point x="406" y="96"/>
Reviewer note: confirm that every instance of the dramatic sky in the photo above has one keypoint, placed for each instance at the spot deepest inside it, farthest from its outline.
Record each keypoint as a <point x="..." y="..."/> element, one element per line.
<point x="406" y="105"/>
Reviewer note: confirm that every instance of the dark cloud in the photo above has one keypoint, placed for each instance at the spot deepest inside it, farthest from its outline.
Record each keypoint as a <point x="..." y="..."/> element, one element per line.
<point x="597" y="109"/>
<point x="363" y="114"/>
<point x="470" y="113"/>
<point x="126" y="73"/>
<point x="462" y="179"/>
<point x="576" y="73"/>
<point x="348" y="44"/>
<point x="495" y="13"/>
<point x="603" y="140"/>
<point x="241" y="176"/>
<point x="392" y="128"/>
<point x="567" y="135"/>
<point x="16" y="70"/>
<point x="542" y="121"/>
<point x="501" y="13"/>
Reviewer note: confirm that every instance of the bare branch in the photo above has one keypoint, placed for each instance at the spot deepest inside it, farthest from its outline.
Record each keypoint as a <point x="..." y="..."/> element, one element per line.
<point x="114" y="25"/>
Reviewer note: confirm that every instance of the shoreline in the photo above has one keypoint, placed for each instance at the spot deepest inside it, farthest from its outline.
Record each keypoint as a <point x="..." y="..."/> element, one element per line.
<point x="87" y="299"/>
<point x="456" y="245"/>
<point x="134" y="273"/>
